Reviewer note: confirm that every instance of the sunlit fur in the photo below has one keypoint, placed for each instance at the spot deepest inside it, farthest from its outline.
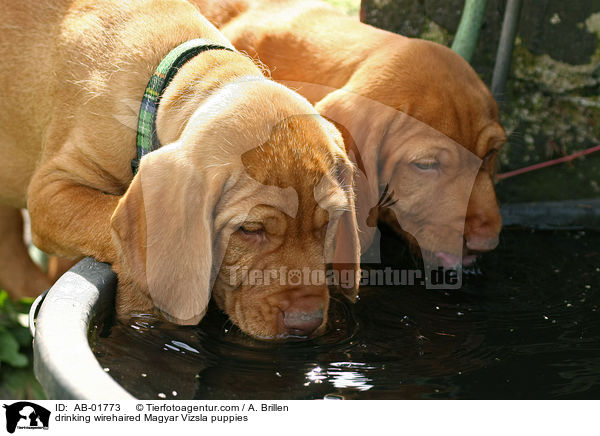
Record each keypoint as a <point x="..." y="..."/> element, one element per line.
<point x="231" y="138"/>
<point x="331" y="59"/>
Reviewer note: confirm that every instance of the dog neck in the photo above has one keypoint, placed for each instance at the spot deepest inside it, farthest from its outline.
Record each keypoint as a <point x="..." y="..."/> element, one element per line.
<point x="286" y="43"/>
<point x="195" y="82"/>
<point x="147" y="139"/>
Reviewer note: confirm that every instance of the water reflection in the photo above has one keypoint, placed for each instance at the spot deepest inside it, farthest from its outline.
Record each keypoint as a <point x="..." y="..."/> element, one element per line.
<point x="342" y="377"/>
<point x="339" y="379"/>
<point x="525" y="325"/>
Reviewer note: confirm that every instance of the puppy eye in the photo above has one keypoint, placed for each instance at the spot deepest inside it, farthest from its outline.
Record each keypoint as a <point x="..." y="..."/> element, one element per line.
<point x="490" y="154"/>
<point x="252" y="230"/>
<point x="427" y="164"/>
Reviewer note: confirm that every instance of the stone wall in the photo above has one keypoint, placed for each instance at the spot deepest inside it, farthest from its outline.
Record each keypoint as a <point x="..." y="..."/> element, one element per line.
<point x="552" y="103"/>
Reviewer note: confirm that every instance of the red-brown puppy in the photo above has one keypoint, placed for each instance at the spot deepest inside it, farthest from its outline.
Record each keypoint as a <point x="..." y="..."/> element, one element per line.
<point x="250" y="177"/>
<point x="417" y="117"/>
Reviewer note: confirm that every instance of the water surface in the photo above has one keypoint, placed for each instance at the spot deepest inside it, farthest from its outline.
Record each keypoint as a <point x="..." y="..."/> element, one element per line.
<point x="525" y="325"/>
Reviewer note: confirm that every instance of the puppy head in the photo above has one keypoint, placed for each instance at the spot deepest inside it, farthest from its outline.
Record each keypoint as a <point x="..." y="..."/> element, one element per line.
<point x="249" y="196"/>
<point x="426" y="128"/>
<point x="273" y="281"/>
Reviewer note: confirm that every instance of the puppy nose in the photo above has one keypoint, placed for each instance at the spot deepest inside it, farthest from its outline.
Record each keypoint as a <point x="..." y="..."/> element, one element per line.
<point x="302" y="323"/>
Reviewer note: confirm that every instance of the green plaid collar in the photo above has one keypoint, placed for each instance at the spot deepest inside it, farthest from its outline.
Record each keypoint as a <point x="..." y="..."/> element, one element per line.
<point x="147" y="139"/>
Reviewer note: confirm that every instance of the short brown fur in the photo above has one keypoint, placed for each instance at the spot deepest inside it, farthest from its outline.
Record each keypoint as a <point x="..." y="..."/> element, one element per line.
<point x="67" y="119"/>
<point x="334" y="60"/>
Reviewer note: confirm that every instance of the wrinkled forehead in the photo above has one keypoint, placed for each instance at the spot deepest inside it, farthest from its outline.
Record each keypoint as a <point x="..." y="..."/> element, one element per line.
<point x="293" y="171"/>
<point x="299" y="152"/>
<point x="244" y="194"/>
<point x="269" y="151"/>
<point x="324" y="181"/>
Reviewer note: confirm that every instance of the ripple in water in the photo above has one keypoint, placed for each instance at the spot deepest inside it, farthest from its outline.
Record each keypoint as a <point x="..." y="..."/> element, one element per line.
<point x="525" y="325"/>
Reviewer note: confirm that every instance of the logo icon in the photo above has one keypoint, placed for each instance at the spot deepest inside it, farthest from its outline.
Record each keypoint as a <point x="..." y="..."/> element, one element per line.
<point x="26" y="415"/>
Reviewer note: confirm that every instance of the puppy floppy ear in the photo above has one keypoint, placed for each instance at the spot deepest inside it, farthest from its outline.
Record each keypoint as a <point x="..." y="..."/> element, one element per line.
<point x="363" y="124"/>
<point x="128" y="230"/>
<point x="342" y="243"/>
<point x="163" y="229"/>
<point x="346" y="257"/>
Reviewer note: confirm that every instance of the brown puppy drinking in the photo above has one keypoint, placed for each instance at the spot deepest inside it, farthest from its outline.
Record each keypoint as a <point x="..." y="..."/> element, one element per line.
<point x="249" y="177"/>
<point x="415" y="115"/>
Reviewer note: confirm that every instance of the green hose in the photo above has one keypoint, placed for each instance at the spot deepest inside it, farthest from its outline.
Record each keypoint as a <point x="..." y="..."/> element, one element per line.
<point x="467" y="34"/>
